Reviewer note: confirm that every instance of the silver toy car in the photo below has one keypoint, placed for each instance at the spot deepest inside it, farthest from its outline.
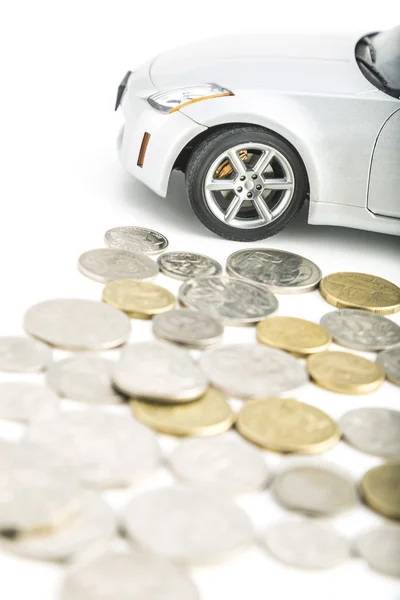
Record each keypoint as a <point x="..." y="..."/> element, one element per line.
<point x="260" y="123"/>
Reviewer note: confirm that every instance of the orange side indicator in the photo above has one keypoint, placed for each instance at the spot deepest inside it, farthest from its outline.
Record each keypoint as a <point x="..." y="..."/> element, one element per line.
<point x="143" y="149"/>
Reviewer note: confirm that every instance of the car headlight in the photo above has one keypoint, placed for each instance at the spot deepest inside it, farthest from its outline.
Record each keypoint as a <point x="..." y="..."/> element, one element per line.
<point x="174" y="100"/>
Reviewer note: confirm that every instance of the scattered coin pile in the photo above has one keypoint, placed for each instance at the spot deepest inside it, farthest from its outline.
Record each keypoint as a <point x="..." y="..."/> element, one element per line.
<point x="68" y="457"/>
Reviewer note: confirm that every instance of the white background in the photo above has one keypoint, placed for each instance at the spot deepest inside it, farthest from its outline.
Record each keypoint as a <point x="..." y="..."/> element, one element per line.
<point x="61" y="187"/>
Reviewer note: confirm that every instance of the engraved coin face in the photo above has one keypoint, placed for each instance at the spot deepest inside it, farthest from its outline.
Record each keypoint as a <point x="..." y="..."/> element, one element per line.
<point x="159" y="371"/>
<point x="75" y="324"/>
<point x="105" y="450"/>
<point x="306" y="544"/>
<point x="389" y="361"/>
<point x="250" y="370"/>
<point x="187" y="525"/>
<point x="138" y="299"/>
<point x="293" y="335"/>
<point x="107" y="264"/>
<point x="361" y="330"/>
<point x="184" y="265"/>
<point x="26" y="402"/>
<point x="315" y="490"/>
<point x="380" y="548"/>
<point x="94" y="523"/>
<point x="187" y="327"/>
<point x="280" y="271"/>
<point x="373" y="430"/>
<point x="360" y="290"/>
<point x="286" y="425"/>
<point x="23" y="355"/>
<point x="136" y="239"/>
<point x="223" y="464"/>
<point x="345" y="373"/>
<point x="84" y="378"/>
<point x="380" y="488"/>
<point x="231" y="301"/>
<point x="210" y="415"/>
<point x="127" y="575"/>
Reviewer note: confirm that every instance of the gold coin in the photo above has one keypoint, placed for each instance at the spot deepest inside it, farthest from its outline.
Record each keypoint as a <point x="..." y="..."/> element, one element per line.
<point x="359" y="290"/>
<point x="380" y="487"/>
<point x="286" y="425"/>
<point x="345" y="373"/>
<point x="139" y="299"/>
<point x="208" y="416"/>
<point x="294" y="335"/>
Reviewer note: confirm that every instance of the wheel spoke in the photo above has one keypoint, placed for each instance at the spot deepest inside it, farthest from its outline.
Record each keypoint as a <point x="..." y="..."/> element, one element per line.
<point x="233" y="209"/>
<point x="277" y="184"/>
<point x="264" y="161"/>
<point x="236" y="162"/>
<point x="221" y="185"/>
<point x="262" y="209"/>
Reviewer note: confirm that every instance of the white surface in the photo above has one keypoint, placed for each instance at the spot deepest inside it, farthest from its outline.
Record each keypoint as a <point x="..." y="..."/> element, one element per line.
<point x="61" y="187"/>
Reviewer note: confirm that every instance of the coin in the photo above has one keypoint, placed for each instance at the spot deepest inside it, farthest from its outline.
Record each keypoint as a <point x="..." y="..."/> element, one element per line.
<point x="159" y="371"/>
<point x="223" y="464"/>
<point x="23" y="401"/>
<point x="84" y="378"/>
<point x="280" y="271"/>
<point x="184" y="265"/>
<point x="105" y="450"/>
<point x="108" y="264"/>
<point x="306" y="544"/>
<point x="293" y="335"/>
<point x="248" y="370"/>
<point x="389" y="361"/>
<point x="187" y="525"/>
<point x="210" y="415"/>
<point x="345" y="373"/>
<point x="232" y="301"/>
<point x="93" y="524"/>
<point x="361" y="330"/>
<point x="373" y="430"/>
<point x="136" y="239"/>
<point x="188" y="327"/>
<point x="19" y="355"/>
<point x="360" y="290"/>
<point x="380" y="548"/>
<point x="286" y="425"/>
<point x="314" y="489"/>
<point x="77" y="324"/>
<point x="139" y="299"/>
<point x="124" y="575"/>
<point x="380" y="487"/>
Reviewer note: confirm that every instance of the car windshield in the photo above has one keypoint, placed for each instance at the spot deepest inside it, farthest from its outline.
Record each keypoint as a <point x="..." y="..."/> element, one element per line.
<point x="378" y="56"/>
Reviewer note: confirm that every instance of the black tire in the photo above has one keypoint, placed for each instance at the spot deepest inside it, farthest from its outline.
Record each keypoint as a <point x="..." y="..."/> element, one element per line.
<point x="209" y="149"/>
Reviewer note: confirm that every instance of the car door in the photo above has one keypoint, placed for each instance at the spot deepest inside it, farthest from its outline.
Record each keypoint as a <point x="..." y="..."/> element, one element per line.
<point x="384" y="184"/>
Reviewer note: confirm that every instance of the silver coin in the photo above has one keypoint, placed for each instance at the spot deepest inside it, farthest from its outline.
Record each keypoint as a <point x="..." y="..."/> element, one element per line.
<point x="251" y="370"/>
<point x="23" y="355"/>
<point x="361" y="330"/>
<point x="26" y="402"/>
<point x="108" y="264"/>
<point x="187" y="525"/>
<point x="123" y="575"/>
<point x="83" y="378"/>
<point x="232" y="301"/>
<point x="187" y="327"/>
<point x="136" y="239"/>
<point x="221" y="463"/>
<point x="184" y="265"/>
<point x="306" y="544"/>
<point x="94" y="524"/>
<point x="280" y="271"/>
<point x="380" y="548"/>
<point x="389" y="361"/>
<point x="316" y="490"/>
<point x="78" y="324"/>
<point x="106" y="450"/>
<point x="156" y="370"/>
<point x="373" y="430"/>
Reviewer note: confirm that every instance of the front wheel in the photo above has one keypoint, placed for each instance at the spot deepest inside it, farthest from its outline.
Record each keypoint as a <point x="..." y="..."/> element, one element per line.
<point x="245" y="183"/>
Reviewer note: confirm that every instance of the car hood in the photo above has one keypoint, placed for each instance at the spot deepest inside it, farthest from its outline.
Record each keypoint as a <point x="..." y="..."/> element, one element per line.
<point x="295" y="63"/>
